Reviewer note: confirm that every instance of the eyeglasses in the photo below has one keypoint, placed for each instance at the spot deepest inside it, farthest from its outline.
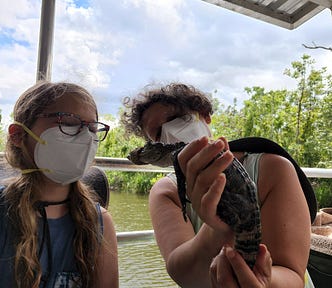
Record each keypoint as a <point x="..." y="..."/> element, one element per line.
<point x="72" y="124"/>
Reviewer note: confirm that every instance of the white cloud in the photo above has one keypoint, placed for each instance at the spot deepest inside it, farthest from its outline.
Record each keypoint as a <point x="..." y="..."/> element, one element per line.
<point x="12" y="10"/>
<point x="114" y="48"/>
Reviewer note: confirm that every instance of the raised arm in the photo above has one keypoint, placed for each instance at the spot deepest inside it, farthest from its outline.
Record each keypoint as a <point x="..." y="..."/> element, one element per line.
<point x="188" y="256"/>
<point x="285" y="233"/>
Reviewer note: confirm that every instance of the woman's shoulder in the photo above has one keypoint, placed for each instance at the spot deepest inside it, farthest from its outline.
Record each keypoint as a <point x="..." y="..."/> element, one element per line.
<point x="164" y="188"/>
<point x="165" y="184"/>
<point x="276" y="173"/>
<point x="277" y="162"/>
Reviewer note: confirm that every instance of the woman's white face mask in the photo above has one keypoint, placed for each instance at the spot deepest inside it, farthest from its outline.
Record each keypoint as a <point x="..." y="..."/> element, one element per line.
<point x="63" y="158"/>
<point x="184" y="129"/>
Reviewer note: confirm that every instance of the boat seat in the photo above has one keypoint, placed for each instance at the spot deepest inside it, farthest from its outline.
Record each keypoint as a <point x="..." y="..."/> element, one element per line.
<point x="97" y="180"/>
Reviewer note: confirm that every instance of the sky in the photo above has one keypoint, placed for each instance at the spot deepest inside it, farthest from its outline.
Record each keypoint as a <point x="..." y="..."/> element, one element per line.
<point x="116" y="47"/>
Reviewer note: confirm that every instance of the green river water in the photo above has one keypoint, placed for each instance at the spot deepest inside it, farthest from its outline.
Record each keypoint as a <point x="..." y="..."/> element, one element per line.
<point x="140" y="263"/>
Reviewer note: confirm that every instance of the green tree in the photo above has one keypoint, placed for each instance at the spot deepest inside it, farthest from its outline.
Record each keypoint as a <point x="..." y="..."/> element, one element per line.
<point x="227" y="121"/>
<point x="307" y="103"/>
<point x="300" y="120"/>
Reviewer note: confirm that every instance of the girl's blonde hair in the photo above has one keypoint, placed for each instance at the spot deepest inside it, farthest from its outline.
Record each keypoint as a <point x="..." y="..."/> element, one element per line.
<point x="23" y="193"/>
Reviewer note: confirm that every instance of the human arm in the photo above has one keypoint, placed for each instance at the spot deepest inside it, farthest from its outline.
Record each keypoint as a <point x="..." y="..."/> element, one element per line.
<point x="108" y="271"/>
<point x="284" y="216"/>
<point x="285" y="231"/>
<point x="187" y="256"/>
<point x="286" y="227"/>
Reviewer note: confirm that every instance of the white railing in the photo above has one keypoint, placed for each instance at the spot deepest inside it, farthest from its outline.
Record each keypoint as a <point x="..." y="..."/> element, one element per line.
<point x="122" y="164"/>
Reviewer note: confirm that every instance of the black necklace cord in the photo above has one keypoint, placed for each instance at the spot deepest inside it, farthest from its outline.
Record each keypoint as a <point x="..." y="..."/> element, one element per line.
<point x="40" y="207"/>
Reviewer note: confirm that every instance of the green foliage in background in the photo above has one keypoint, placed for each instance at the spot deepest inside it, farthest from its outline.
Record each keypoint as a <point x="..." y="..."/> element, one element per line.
<point x="300" y="120"/>
<point x="132" y="182"/>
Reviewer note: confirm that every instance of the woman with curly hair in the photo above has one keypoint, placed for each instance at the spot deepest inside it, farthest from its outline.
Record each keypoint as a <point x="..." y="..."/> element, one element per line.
<point x="200" y="252"/>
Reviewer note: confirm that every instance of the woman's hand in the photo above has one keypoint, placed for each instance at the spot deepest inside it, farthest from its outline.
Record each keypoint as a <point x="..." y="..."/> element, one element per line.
<point x="204" y="177"/>
<point x="228" y="269"/>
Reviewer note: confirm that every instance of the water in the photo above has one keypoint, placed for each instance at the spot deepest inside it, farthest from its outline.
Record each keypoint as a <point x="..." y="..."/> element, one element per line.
<point x="140" y="263"/>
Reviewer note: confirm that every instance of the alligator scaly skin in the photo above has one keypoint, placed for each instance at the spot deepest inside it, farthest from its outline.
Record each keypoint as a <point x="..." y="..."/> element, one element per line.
<point x="238" y="206"/>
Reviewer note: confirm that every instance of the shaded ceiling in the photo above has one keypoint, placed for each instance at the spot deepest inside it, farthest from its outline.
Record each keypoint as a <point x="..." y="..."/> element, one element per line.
<point x="288" y="14"/>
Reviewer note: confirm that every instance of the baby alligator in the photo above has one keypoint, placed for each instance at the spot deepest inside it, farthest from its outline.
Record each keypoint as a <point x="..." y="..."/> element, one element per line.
<point x="238" y="206"/>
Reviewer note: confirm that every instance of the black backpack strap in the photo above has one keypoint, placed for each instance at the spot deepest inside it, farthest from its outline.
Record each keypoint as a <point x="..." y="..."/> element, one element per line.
<point x="263" y="145"/>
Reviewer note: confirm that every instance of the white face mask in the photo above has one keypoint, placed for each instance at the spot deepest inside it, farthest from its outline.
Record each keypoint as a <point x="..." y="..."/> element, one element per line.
<point x="64" y="158"/>
<point x="186" y="129"/>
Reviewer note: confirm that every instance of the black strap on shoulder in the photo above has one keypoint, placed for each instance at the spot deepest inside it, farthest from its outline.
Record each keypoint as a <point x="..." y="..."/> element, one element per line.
<point x="263" y="145"/>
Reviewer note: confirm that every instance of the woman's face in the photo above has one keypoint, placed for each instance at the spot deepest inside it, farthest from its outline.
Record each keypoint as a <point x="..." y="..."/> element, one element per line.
<point x="67" y="103"/>
<point x="154" y="117"/>
<point x="157" y="114"/>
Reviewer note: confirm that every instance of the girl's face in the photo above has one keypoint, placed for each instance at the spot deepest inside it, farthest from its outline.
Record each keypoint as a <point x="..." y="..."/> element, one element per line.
<point x="67" y="103"/>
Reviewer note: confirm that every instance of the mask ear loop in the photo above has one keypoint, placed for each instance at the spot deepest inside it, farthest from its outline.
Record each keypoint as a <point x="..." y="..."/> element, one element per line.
<point x="33" y="135"/>
<point x="27" y="171"/>
<point x="38" y="139"/>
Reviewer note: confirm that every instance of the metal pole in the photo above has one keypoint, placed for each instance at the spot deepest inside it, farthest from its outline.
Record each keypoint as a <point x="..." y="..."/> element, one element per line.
<point x="46" y="40"/>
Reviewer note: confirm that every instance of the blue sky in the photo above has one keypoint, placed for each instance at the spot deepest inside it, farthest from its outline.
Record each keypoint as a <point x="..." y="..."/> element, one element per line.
<point x="116" y="47"/>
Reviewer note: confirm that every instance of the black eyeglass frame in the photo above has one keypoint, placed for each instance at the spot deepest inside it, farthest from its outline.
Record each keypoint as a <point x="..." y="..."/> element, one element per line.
<point x="59" y="115"/>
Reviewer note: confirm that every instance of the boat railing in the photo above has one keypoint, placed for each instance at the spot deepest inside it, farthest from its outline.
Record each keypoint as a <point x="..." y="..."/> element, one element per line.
<point x="123" y="164"/>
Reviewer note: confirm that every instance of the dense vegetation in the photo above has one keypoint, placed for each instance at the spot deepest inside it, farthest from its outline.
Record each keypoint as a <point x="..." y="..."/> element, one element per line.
<point x="300" y="120"/>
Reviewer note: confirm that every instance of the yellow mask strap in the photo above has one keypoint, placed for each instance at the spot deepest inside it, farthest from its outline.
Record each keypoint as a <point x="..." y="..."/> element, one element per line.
<point x="33" y="135"/>
<point x="27" y="171"/>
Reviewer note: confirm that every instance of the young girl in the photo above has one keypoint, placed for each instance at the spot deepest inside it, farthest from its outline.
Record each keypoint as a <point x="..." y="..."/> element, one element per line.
<point x="53" y="233"/>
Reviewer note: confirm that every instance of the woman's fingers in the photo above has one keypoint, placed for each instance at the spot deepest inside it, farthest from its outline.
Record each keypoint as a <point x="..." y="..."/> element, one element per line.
<point x="260" y="276"/>
<point x="198" y="163"/>
<point x="189" y="151"/>
<point x="263" y="265"/>
<point x="210" y="200"/>
<point x="244" y="275"/>
<point x="221" y="272"/>
<point x="204" y="178"/>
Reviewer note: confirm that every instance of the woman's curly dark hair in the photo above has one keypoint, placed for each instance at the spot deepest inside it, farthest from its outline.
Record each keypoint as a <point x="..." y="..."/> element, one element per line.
<point x="183" y="97"/>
